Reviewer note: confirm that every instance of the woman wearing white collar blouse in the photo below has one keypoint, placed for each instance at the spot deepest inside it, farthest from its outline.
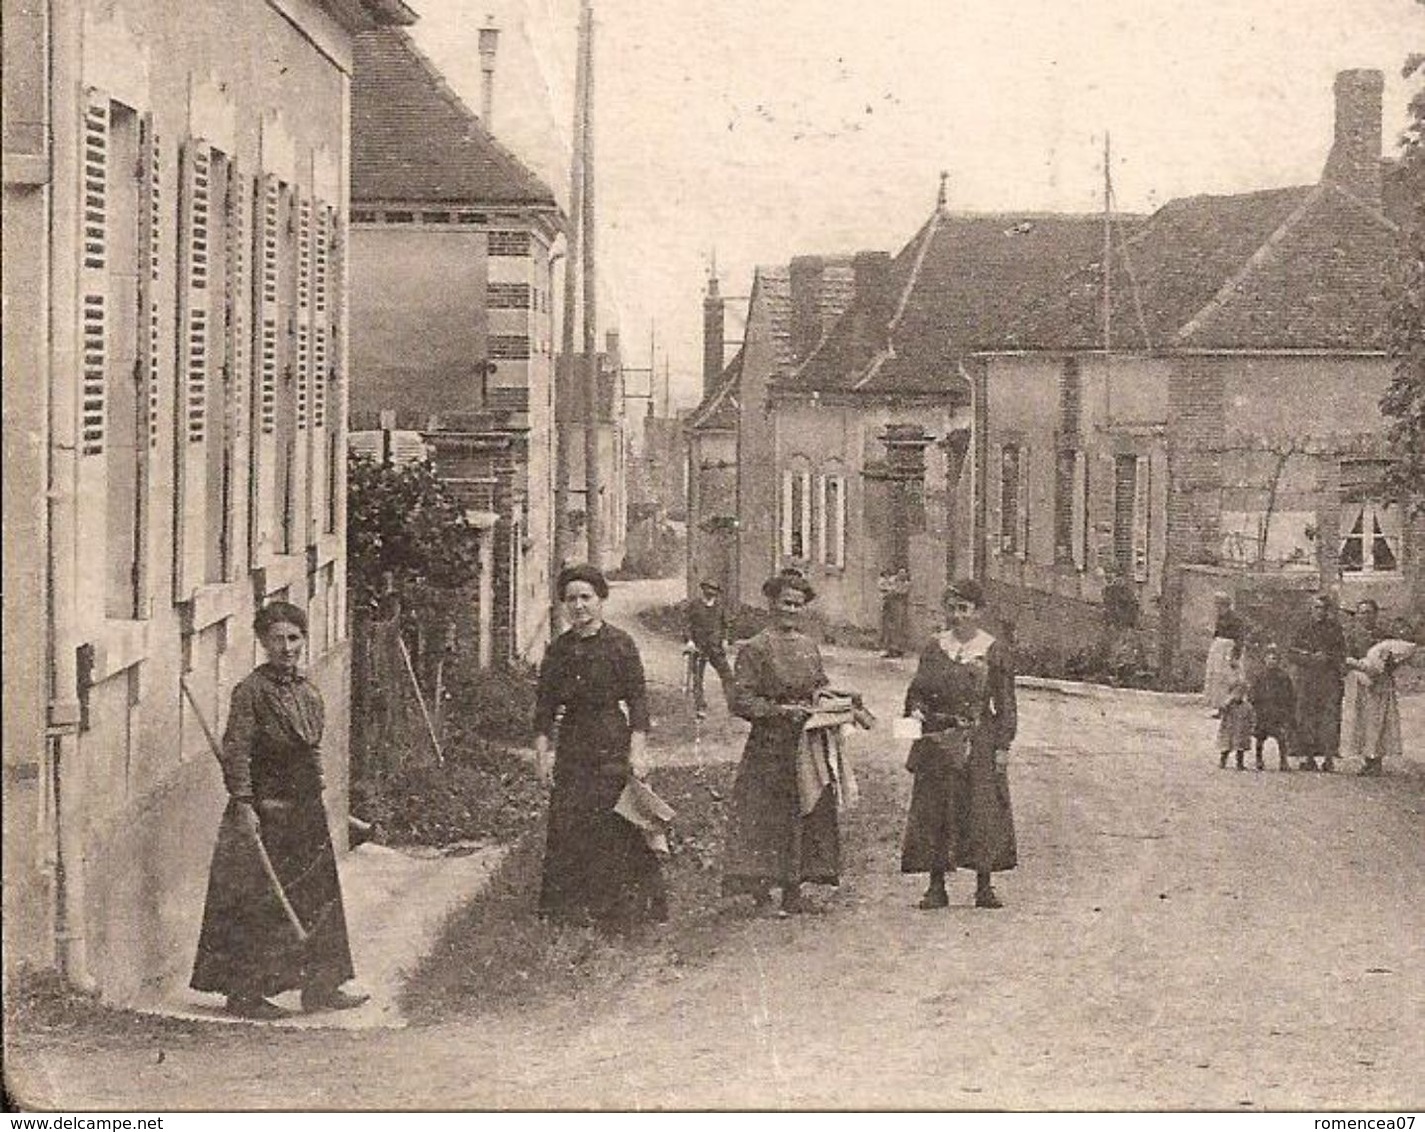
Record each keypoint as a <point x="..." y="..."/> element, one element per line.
<point x="963" y="694"/>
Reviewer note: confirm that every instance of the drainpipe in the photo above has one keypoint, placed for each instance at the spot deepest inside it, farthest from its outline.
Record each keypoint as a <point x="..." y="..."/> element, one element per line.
<point x="62" y="471"/>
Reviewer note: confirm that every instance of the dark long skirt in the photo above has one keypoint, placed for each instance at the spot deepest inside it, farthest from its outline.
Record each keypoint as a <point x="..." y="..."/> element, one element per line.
<point x="959" y="818"/>
<point x="597" y="866"/>
<point x="1318" y="717"/>
<point x="769" y="842"/>
<point x="247" y="945"/>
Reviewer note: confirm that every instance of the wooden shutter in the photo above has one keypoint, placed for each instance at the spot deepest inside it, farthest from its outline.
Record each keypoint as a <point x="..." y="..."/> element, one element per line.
<point x="787" y="496"/>
<point x="303" y="376"/>
<point x="237" y="376"/>
<point x="196" y="241"/>
<point x="195" y="336"/>
<point x="321" y="313"/>
<point x="269" y="279"/>
<point x="94" y="277"/>
<point x="1142" y="508"/>
<point x="150" y="257"/>
<point x="1025" y="484"/>
<point x="147" y="368"/>
<point x="1079" y="521"/>
<point x="265" y="279"/>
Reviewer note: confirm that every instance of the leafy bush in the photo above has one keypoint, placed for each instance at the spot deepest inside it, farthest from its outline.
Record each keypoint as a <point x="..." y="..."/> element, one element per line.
<point x="484" y="792"/>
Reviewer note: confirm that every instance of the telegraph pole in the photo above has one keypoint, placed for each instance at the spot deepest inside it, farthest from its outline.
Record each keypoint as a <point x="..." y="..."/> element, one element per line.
<point x="593" y="478"/>
<point x="566" y="376"/>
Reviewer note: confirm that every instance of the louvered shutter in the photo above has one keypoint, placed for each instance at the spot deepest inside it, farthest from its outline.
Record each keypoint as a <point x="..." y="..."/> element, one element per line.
<point x="320" y="314"/>
<point x="265" y="283"/>
<point x="303" y="376"/>
<point x="1103" y="512"/>
<point x="1142" y="507"/>
<point x="1079" y="531"/>
<point x="238" y="376"/>
<point x="195" y="338"/>
<point x="994" y="499"/>
<point x="1025" y="483"/>
<point x="787" y="518"/>
<point x="269" y="281"/>
<point x="147" y="369"/>
<point x="94" y="277"/>
<point x="151" y="256"/>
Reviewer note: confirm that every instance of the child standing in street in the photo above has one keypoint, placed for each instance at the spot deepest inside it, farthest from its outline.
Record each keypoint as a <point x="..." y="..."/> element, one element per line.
<point x="1234" y="732"/>
<point x="1274" y="705"/>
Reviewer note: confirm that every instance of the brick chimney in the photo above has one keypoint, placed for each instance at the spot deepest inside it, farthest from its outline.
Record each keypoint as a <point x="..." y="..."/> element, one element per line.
<point x="1354" y="161"/>
<point x="489" y="45"/>
<point x="874" y="303"/>
<point x="804" y="277"/>
<point x="714" y="334"/>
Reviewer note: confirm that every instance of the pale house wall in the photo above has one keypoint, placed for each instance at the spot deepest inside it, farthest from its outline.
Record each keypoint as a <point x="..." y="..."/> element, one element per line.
<point x="261" y="96"/>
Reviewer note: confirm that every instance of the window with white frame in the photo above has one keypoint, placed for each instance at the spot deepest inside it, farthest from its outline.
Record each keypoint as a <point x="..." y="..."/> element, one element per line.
<point x="796" y="514"/>
<point x="1370" y="537"/>
<point x="831" y="528"/>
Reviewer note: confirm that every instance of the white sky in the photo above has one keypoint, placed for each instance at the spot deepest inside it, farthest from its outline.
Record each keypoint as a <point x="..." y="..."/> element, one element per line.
<point x="765" y="129"/>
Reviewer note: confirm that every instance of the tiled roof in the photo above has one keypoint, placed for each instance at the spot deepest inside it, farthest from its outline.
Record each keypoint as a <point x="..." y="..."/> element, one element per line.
<point x="957" y="286"/>
<point x="719" y="409"/>
<point x="1295" y="268"/>
<point x="413" y="139"/>
<point x="1317" y="284"/>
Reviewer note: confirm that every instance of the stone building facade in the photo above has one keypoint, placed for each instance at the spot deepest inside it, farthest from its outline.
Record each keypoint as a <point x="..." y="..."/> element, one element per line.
<point x="175" y="212"/>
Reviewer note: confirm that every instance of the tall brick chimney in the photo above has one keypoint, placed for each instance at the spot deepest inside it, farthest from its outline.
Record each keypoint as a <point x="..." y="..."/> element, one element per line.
<point x="714" y="335"/>
<point x="874" y="303"/>
<point x="489" y="46"/>
<point x="804" y="277"/>
<point x="1354" y="161"/>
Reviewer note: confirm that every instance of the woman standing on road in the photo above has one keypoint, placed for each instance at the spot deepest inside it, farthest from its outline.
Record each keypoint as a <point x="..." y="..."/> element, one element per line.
<point x="963" y="694"/>
<point x="597" y="867"/>
<point x="770" y="843"/>
<point x="1229" y="632"/>
<point x="268" y="932"/>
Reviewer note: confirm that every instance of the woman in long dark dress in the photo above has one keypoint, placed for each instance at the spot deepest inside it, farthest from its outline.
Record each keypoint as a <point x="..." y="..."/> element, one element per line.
<point x="597" y="867"/>
<point x="770" y="843"/>
<point x="963" y="694"/>
<point x="250" y="947"/>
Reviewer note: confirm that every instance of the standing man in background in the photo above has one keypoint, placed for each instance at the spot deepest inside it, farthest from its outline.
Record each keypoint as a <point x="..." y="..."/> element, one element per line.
<point x="707" y="641"/>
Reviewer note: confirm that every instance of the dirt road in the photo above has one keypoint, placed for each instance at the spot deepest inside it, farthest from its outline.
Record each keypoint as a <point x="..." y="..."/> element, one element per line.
<point x="1177" y="936"/>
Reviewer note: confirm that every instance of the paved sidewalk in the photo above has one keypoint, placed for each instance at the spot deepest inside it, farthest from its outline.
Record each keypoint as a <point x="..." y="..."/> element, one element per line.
<point x="396" y="901"/>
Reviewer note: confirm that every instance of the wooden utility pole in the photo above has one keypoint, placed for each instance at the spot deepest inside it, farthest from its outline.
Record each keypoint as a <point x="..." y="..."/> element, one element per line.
<point x="593" y="478"/>
<point x="566" y="377"/>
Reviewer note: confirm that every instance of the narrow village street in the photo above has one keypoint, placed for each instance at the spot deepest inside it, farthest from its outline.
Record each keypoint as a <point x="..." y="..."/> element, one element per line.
<point x="1176" y="936"/>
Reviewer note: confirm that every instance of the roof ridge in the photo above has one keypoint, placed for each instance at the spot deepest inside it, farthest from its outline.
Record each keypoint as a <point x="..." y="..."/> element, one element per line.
<point x="1375" y="212"/>
<point x="731" y="378"/>
<point x="1254" y="262"/>
<point x="930" y="230"/>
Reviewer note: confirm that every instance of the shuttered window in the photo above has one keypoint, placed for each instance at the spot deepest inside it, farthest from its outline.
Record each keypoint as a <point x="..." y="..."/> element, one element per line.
<point x="1131" y="515"/>
<point x="303" y="337"/>
<point x="196" y="207"/>
<point x="1010" y="479"/>
<point x="796" y="514"/>
<point x="269" y="275"/>
<point x="94" y="301"/>
<point x="832" y="520"/>
<point x="321" y="307"/>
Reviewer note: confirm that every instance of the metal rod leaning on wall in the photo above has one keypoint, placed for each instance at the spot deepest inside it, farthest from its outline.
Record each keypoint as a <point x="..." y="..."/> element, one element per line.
<point x="420" y="699"/>
<point x="263" y="859"/>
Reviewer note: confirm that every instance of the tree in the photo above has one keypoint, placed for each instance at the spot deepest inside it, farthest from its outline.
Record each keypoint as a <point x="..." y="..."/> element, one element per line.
<point x="1404" y="400"/>
<point x="407" y="536"/>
